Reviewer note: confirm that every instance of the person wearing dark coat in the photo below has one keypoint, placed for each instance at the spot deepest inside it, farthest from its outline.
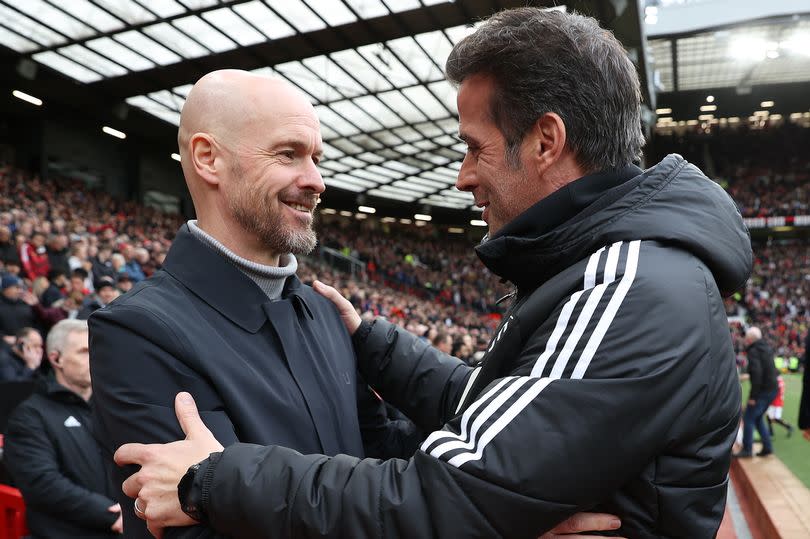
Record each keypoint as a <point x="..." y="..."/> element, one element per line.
<point x="804" y="407"/>
<point x="51" y="453"/>
<point x="226" y="318"/>
<point x="15" y="313"/>
<point x="21" y="361"/>
<point x="611" y="383"/>
<point x="764" y="387"/>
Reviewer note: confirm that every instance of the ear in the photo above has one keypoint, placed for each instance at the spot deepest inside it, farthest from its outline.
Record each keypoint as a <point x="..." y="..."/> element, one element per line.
<point x="206" y="158"/>
<point x="54" y="358"/>
<point x="547" y="139"/>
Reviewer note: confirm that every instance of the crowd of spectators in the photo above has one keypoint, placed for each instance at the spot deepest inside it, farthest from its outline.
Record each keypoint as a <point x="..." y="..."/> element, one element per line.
<point x="777" y="297"/>
<point x="766" y="171"/>
<point x="66" y="250"/>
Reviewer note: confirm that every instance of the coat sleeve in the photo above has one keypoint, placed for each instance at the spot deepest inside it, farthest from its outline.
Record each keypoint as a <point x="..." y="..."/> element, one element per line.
<point x="136" y="372"/>
<point x="383" y="437"/>
<point x="531" y="449"/>
<point x="412" y="375"/>
<point x="32" y="461"/>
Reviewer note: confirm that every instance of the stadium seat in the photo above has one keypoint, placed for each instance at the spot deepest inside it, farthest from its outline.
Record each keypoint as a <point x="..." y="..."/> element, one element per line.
<point x="12" y="514"/>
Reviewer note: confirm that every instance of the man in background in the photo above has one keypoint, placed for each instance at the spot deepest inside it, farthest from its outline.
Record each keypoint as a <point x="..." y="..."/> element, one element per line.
<point x="21" y="361"/>
<point x="50" y="450"/>
<point x="764" y="387"/>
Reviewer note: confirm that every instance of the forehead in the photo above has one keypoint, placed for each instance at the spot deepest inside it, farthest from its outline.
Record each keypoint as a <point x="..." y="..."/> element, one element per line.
<point x="77" y="339"/>
<point x="474" y="103"/>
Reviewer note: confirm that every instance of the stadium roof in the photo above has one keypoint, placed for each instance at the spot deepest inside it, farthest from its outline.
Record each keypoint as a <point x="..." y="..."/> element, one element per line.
<point x="372" y="68"/>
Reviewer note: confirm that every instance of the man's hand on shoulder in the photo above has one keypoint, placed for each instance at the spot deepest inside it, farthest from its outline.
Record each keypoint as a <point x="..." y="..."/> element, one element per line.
<point x="347" y="313"/>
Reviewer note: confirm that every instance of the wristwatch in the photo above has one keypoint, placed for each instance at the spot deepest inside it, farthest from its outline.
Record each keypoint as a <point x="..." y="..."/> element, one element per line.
<point x="190" y="495"/>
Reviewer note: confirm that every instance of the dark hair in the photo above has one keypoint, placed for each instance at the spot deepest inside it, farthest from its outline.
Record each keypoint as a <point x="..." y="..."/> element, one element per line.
<point x="22" y="333"/>
<point x="550" y="61"/>
<point x="80" y="272"/>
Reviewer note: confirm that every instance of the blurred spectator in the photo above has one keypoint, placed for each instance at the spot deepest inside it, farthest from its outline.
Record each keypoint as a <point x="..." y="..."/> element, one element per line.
<point x="15" y="313"/>
<point x="105" y="294"/>
<point x="443" y="342"/>
<point x="58" y="286"/>
<point x="764" y="388"/>
<point x="34" y="257"/>
<point x="58" y="253"/>
<point x="22" y="360"/>
<point x="50" y="451"/>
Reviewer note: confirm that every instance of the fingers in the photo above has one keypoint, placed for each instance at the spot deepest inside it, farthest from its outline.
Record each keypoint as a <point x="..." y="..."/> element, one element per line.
<point x="188" y="415"/>
<point x="114" y="508"/>
<point x="329" y="293"/>
<point x="131" y="454"/>
<point x="132" y="485"/>
<point x="587" y="522"/>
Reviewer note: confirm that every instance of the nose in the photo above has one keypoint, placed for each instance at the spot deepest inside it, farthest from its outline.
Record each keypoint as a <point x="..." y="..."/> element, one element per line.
<point x="311" y="179"/>
<point x="466" y="180"/>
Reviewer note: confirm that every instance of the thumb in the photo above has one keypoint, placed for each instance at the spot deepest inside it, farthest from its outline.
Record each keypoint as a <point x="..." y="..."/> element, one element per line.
<point x="114" y="508"/>
<point x="188" y="416"/>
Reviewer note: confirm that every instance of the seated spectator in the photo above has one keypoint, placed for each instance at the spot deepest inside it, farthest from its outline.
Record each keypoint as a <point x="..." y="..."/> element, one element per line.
<point x="105" y="294"/>
<point x="57" y="249"/>
<point x="58" y="285"/>
<point x="443" y="341"/>
<point x="7" y="248"/>
<point x="15" y="313"/>
<point x="21" y="361"/>
<point x="50" y="451"/>
<point x="34" y="257"/>
<point x="124" y="283"/>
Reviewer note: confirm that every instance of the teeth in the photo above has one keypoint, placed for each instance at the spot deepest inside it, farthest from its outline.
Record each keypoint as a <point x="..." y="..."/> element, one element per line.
<point x="299" y="207"/>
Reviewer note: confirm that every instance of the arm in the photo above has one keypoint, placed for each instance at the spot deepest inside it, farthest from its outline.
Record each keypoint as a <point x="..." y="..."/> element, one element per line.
<point x="407" y="372"/>
<point x="33" y="463"/>
<point x="755" y="371"/>
<point x="383" y="437"/>
<point x="136" y="371"/>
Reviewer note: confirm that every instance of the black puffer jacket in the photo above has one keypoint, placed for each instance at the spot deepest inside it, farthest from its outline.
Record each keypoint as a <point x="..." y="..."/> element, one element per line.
<point x="610" y="386"/>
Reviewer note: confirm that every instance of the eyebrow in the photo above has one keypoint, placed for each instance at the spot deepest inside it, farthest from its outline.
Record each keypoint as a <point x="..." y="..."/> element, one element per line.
<point x="467" y="139"/>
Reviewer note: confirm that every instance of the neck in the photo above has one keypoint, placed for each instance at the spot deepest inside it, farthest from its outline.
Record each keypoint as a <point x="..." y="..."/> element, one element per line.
<point x="238" y="241"/>
<point x="83" y="392"/>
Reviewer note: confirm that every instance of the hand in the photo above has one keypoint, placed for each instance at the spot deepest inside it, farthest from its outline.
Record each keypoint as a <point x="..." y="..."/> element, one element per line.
<point x="32" y="357"/>
<point x="118" y="525"/>
<point x="806" y="434"/>
<point x="347" y="313"/>
<point x="30" y="298"/>
<point x="163" y="465"/>
<point x="751" y="402"/>
<point x="583" y="522"/>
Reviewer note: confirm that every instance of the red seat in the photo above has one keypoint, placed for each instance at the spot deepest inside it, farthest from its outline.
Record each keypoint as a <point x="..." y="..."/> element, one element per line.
<point x="12" y="514"/>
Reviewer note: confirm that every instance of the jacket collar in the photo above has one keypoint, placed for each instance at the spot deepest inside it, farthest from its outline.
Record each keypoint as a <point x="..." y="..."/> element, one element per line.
<point x="216" y="281"/>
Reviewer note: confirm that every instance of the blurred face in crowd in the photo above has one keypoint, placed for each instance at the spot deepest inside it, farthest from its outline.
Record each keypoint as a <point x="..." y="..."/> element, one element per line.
<point x="446" y="344"/>
<point x="13" y="293"/>
<point x="124" y="285"/>
<point x="38" y="240"/>
<point x="72" y="364"/>
<point x="30" y="348"/>
<point x="107" y="293"/>
<point x="76" y="283"/>
<point x="5" y="234"/>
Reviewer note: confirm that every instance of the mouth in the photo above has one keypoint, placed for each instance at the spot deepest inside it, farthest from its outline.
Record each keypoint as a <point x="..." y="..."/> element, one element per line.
<point x="306" y="206"/>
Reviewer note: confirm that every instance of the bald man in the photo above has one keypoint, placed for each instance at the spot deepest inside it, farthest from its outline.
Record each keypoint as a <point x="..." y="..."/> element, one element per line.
<point x="226" y="319"/>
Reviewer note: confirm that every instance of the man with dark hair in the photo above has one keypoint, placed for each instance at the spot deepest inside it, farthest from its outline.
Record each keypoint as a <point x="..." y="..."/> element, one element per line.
<point x="611" y="383"/>
<point x="443" y="342"/>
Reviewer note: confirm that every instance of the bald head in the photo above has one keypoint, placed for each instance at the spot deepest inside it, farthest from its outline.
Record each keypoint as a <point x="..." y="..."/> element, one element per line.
<point x="227" y="103"/>
<point x="249" y="148"/>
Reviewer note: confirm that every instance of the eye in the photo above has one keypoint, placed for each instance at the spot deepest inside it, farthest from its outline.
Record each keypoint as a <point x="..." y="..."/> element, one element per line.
<point x="289" y="154"/>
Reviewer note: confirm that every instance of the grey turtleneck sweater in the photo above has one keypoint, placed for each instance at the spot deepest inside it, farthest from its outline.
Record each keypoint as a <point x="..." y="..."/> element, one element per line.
<point x="269" y="278"/>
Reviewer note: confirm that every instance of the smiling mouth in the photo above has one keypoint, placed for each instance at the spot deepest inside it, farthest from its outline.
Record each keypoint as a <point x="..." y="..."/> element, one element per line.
<point x="303" y="206"/>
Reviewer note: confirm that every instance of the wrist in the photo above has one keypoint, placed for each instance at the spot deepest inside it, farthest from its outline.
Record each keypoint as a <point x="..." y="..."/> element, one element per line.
<point x="193" y="489"/>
